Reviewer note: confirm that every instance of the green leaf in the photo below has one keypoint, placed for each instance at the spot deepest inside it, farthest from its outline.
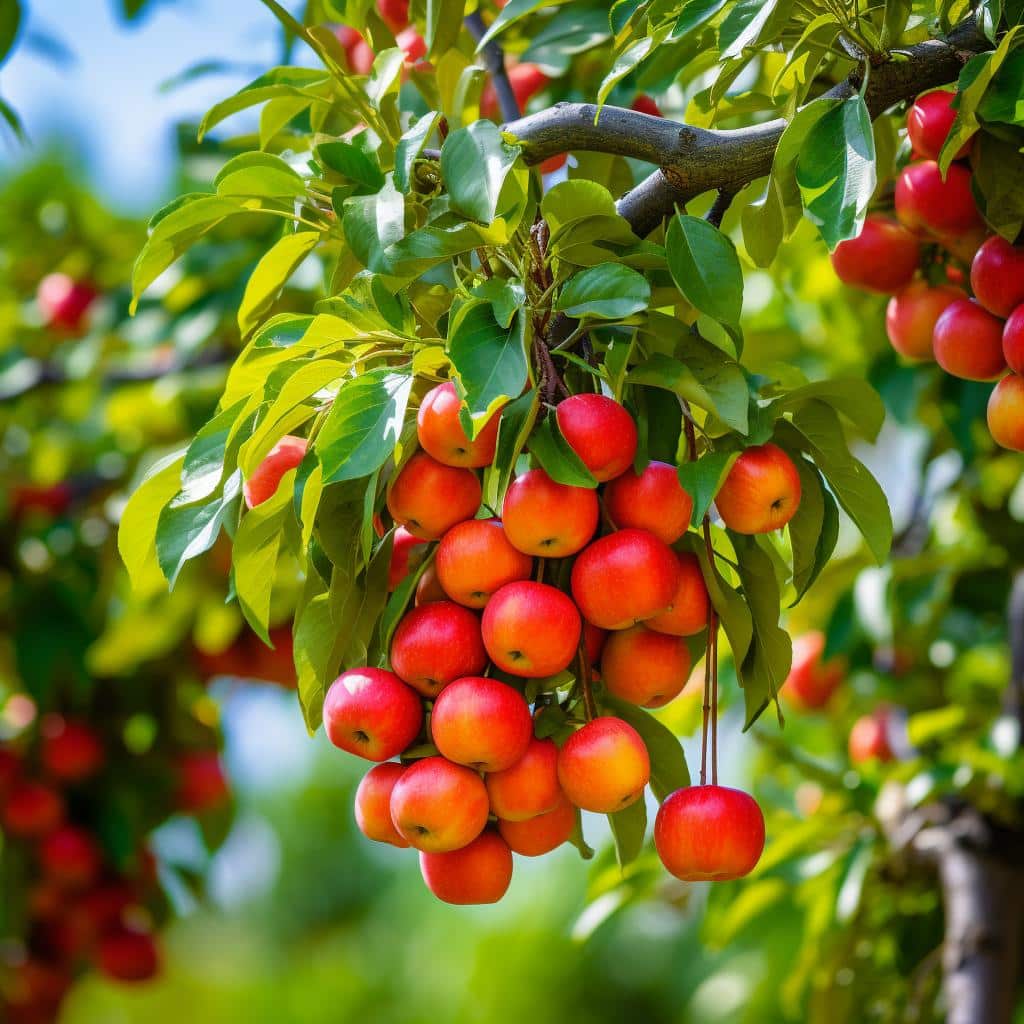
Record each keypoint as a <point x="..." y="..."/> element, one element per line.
<point x="629" y="828"/>
<point x="364" y="424"/>
<point x="475" y="161"/>
<point x="609" y="291"/>
<point x="489" y="360"/>
<point x="517" y="420"/>
<point x="731" y="608"/>
<point x="751" y="23"/>
<point x="836" y="170"/>
<point x="706" y="269"/>
<point x="203" y="468"/>
<point x="856" y="399"/>
<point x="668" y="762"/>
<point x="271" y="274"/>
<point x="444" y="22"/>
<point x="999" y="183"/>
<point x="10" y="22"/>
<point x="550" y="448"/>
<point x="351" y="162"/>
<point x="703" y="479"/>
<point x="512" y="12"/>
<point x="807" y="528"/>
<point x="694" y="15"/>
<point x="259" y="174"/>
<point x="409" y="147"/>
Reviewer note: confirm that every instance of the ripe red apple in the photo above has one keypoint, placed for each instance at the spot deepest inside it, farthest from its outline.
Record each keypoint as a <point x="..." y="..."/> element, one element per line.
<point x="404" y="549"/>
<point x="929" y="121"/>
<point x="653" y="500"/>
<point x="600" y="432"/>
<point x="65" y="302"/>
<point x="361" y="57"/>
<point x="482" y="723"/>
<point x="129" y="956"/>
<point x="594" y="639"/>
<point x="997" y="276"/>
<point x="435" y="644"/>
<point x="372" y="713"/>
<point x="530" y="787"/>
<point x="882" y="258"/>
<point x="478" y="873"/>
<point x="33" y="991"/>
<point x="10" y="770"/>
<point x="553" y="163"/>
<point x="689" y="612"/>
<point x="373" y="804"/>
<point x="1013" y="340"/>
<point x="32" y="810"/>
<point x="438" y="806"/>
<point x="71" y="751"/>
<point x="475" y="559"/>
<point x="644" y="104"/>
<point x="912" y="313"/>
<point x="45" y="499"/>
<point x="761" y="492"/>
<point x="546" y="518"/>
<point x="968" y="341"/>
<point x="428" y="497"/>
<point x="624" y="578"/>
<point x="442" y="437"/>
<point x="1006" y="413"/>
<point x="645" y="667"/>
<point x="284" y="456"/>
<point x="526" y="81"/>
<point x="869" y="738"/>
<point x="429" y="587"/>
<point x="395" y="13"/>
<point x="709" y="833"/>
<point x="811" y="682"/>
<point x="927" y="204"/>
<point x="537" y="836"/>
<point x="202" y="786"/>
<point x="531" y="629"/>
<point x="71" y="857"/>
<point x="274" y="664"/>
<point x="604" y="766"/>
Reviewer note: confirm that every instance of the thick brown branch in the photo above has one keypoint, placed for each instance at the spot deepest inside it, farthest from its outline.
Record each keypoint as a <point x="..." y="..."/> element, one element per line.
<point x="494" y="58"/>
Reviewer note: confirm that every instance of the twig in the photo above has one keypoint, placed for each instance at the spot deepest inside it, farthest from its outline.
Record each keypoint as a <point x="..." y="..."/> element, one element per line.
<point x="494" y="58"/>
<point x="589" y="705"/>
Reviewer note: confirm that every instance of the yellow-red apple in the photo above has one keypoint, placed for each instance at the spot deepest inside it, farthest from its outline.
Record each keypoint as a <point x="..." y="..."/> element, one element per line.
<point x="373" y="803"/>
<point x="478" y="873"/>
<point x="543" y="517"/>
<point x="372" y="713"/>
<point x="600" y="432"/>
<point x="645" y="667"/>
<point x="435" y="644"/>
<point x="761" y="492"/>
<point x="441" y="435"/>
<point x="530" y="787"/>
<point x="428" y="497"/>
<point x="604" y="766"/>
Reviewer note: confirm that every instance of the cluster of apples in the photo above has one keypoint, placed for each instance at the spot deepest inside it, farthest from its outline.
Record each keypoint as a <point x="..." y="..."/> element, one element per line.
<point x="975" y="336"/>
<point x="82" y="910"/>
<point x="394" y="14"/>
<point x="567" y="578"/>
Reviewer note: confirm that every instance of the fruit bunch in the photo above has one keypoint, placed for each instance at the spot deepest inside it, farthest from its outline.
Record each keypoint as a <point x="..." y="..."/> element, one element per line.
<point x="81" y="887"/>
<point x="957" y="290"/>
<point x="533" y="637"/>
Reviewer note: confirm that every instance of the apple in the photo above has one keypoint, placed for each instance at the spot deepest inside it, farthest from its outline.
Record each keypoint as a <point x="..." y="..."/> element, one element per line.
<point x="429" y="587"/>
<point x="65" y="302"/>
<point x="71" y="857"/>
<point x="128" y="955"/>
<point x="33" y="990"/>
<point x="475" y="559"/>
<point x="531" y="629"/>
<point x="594" y="640"/>
<point x="537" y="836"/>
<point x="428" y="497"/>
<point x="284" y="456"/>
<point x="371" y="713"/>
<point x="1006" y="413"/>
<point x="529" y="787"/>
<point x="46" y="499"/>
<point x="438" y="806"/>
<point x="404" y="548"/>
<point x="435" y="644"/>
<point x="869" y="738"/>
<point x="600" y="432"/>
<point x="395" y="13"/>
<point x="624" y="578"/>
<point x="645" y="667"/>
<point x="441" y="435"/>
<point x="373" y="804"/>
<point x="912" y="313"/>
<point x="553" y="163"/>
<point x="10" y="770"/>
<point x="882" y="258"/>
<point x="71" y="751"/>
<point x="929" y="121"/>
<point x="526" y="81"/>
<point x="709" y="833"/>
<point x="1013" y="340"/>
<point x="968" y="341"/>
<point x="201" y="783"/>
<point x="653" y="500"/>
<point x="925" y="204"/>
<point x="644" y="104"/>
<point x="811" y="682"/>
<point x="482" y="723"/>
<point x="545" y="518"/>
<point x="997" y="276"/>
<point x="32" y="810"/>
<point x="604" y="766"/>
<point x="761" y="492"/>
<point x="478" y="873"/>
<point x="689" y="612"/>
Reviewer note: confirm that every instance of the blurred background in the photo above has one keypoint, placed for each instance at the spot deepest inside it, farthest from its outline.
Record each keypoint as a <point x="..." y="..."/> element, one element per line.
<point x="274" y="908"/>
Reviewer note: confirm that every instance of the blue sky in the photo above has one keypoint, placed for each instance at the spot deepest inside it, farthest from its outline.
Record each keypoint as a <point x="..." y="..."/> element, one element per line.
<point x="105" y="108"/>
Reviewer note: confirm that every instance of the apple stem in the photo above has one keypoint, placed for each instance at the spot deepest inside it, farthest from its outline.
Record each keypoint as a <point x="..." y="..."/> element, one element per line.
<point x="589" y="706"/>
<point x="713" y="654"/>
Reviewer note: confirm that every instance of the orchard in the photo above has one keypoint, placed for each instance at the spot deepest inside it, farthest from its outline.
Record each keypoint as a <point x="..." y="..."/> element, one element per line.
<point x="601" y="427"/>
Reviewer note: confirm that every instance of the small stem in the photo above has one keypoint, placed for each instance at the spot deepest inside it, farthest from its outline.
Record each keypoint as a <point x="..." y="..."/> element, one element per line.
<point x="713" y="648"/>
<point x="705" y="711"/>
<point x="719" y="207"/>
<point x="589" y="705"/>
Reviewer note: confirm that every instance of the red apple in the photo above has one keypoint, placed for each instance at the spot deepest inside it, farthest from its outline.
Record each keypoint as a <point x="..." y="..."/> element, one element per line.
<point x="997" y="276"/>
<point x="600" y="432"/>
<point x="478" y="873"/>
<point x="531" y="629"/>
<point x="546" y="518"/>
<point x="927" y="204"/>
<point x="475" y="558"/>
<point x="373" y="804"/>
<point x="605" y="766"/>
<point x="536" y="836"/>
<point x="912" y="313"/>
<point x="71" y="751"/>
<point x="929" y="121"/>
<point x="1013" y="340"/>
<point x="882" y="258"/>
<point x="481" y="723"/>
<point x="811" y="682"/>
<point x="1006" y="413"/>
<point x="202" y="786"/>
<point x="553" y="163"/>
<point x="429" y="587"/>
<point x="526" y="81"/>
<point x="529" y="787"/>
<point x="65" y="302"/>
<point x="689" y="612"/>
<point x="968" y="341"/>
<point x="412" y="44"/>
<point x="129" y="956"/>
<point x="438" y="806"/>
<point x="10" y="770"/>
<point x="594" y="640"/>
<point x="428" y="497"/>
<point x="644" y="104"/>
<point x="442" y="437"/>
<point x="284" y="456"/>
<point x="645" y="667"/>
<point x="395" y="13"/>
<point x="869" y="738"/>
<point x="372" y="713"/>
<point x="435" y="644"/>
<point x="654" y="500"/>
<point x="709" y="833"/>
<point x="32" y="810"/>
<point x="71" y="857"/>
<point x="405" y="548"/>
<point x="761" y="492"/>
<point x="624" y="578"/>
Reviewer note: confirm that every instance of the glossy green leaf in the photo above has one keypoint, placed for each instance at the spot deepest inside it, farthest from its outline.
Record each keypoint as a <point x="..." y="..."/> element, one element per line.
<point x="409" y="147"/>
<point x="550" y="448"/>
<point x="629" y="828"/>
<point x="703" y="478"/>
<point x="668" y="762"/>
<point x="475" y="161"/>
<point x="271" y="274"/>
<point x="351" y="162"/>
<point x="609" y="291"/>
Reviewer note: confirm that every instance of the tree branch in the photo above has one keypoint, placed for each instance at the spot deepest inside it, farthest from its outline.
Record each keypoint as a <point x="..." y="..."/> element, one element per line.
<point x="694" y="160"/>
<point x="494" y="58"/>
